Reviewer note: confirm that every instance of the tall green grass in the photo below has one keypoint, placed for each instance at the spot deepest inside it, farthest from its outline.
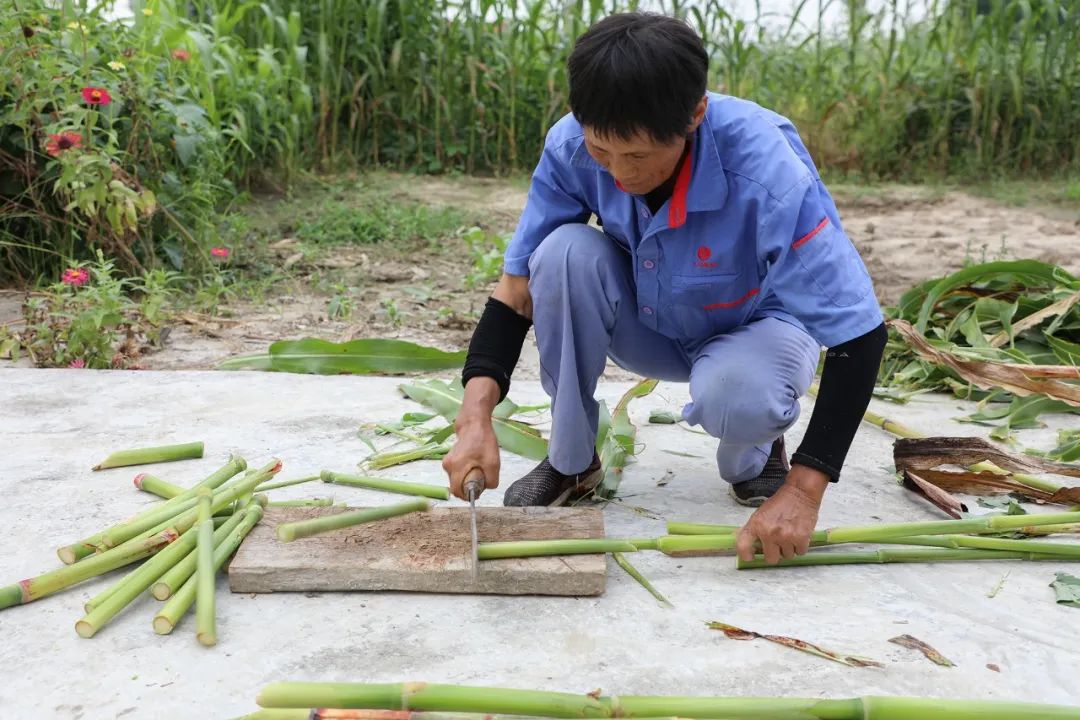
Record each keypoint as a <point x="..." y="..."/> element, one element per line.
<point x="967" y="89"/>
<point x="473" y="85"/>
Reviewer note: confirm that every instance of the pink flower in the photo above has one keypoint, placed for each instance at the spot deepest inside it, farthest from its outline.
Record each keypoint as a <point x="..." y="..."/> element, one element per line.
<point x="181" y="55"/>
<point x="96" y="96"/>
<point x="64" y="141"/>
<point x="220" y="252"/>
<point x="77" y="363"/>
<point x="75" y="276"/>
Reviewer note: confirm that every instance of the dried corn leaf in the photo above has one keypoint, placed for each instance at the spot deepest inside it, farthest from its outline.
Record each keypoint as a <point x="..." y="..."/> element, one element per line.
<point x="918" y="458"/>
<point x="1060" y="307"/>
<point x="927" y="453"/>
<point x="915" y="644"/>
<point x="739" y="634"/>
<point x="1022" y="380"/>
<point x="980" y="483"/>
<point x="1065" y="496"/>
<point x="935" y="495"/>
<point x="988" y="483"/>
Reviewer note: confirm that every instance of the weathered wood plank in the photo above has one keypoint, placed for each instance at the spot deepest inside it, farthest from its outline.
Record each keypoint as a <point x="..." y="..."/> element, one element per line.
<point x="421" y="552"/>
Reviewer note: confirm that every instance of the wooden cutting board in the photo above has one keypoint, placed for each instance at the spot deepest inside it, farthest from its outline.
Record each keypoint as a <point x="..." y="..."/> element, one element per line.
<point x="421" y="552"/>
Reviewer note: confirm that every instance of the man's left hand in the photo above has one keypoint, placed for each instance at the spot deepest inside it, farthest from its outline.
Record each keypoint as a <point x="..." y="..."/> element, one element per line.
<point x="784" y="523"/>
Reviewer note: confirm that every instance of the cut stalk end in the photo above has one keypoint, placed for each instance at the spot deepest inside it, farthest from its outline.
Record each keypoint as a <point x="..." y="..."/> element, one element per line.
<point x="206" y="639"/>
<point x="85" y="629"/>
<point x="162" y="625"/>
<point x="161" y="591"/>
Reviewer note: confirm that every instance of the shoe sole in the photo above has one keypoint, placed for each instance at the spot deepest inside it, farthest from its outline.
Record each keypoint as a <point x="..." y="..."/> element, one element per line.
<point x="753" y="502"/>
<point x="578" y="489"/>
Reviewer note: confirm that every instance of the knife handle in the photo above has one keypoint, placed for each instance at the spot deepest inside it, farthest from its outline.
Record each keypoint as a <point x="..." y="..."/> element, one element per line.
<point x="474" y="483"/>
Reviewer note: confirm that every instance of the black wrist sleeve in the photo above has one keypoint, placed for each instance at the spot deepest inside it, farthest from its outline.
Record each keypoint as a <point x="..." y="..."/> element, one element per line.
<point x="847" y="384"/>
<point x="496" y="345"/>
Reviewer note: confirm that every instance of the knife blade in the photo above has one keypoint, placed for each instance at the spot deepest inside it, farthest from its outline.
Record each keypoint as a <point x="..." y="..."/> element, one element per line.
<point x="474" y="485"/>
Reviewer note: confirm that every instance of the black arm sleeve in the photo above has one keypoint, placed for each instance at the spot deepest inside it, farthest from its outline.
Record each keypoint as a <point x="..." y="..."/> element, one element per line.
<point x="496" y="345"/>
<point x="847" y="384"/>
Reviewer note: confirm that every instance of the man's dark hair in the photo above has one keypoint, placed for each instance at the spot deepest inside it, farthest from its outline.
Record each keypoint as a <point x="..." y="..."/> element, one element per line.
<point x="635" y="72"/>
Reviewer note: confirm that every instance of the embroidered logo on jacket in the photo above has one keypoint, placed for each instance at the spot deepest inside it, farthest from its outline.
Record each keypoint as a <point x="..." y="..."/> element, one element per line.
<point x="703" y="255"/>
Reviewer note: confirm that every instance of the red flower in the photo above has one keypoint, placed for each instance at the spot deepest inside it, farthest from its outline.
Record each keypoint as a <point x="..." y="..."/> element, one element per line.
<point x="64" y="141"/>
<point x="96" y="96"/>
<point x="181" y="55"/>
<point x="75" y="276"/>
<point x="77" y="363"/>
<point x="220" y="252"/>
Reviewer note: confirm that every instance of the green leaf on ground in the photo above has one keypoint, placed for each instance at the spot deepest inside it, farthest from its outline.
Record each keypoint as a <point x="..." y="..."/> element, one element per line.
<point x="618" y="443"/>
<point x="1003" y="502"/>
<point x="359" y="357"/>
<point x="445" y="399"/>
<point x="1067" y="588"/>
<point x="664" y="417"/>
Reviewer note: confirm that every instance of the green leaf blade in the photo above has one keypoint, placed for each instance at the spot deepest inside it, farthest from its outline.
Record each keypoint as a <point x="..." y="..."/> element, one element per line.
<point x="356" y="357"/>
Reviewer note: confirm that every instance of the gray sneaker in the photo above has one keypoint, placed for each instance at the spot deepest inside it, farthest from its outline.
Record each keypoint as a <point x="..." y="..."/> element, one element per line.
<point x="544" y="485"/>
<point x="757" y="490"/>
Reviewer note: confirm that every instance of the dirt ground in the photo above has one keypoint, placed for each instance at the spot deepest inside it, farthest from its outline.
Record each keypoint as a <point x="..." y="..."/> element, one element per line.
<point x="905" y="234"/>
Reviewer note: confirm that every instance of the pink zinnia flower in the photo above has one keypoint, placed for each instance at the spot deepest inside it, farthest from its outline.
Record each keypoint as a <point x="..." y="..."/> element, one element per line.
<point x="220" y="252"/>
<point x="75" y="276"/>
<point x="96" y="96"/>
<point x="77" y="363"/>
<point x="181" y="55"/>
<point x="64" y="141"/>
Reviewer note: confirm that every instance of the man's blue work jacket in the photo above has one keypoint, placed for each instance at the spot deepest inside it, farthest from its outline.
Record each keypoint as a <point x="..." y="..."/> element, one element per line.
<point x="750" y="230"/>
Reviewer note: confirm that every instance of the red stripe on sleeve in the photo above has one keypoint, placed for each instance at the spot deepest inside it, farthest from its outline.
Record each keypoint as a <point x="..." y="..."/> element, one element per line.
<point x="810" y="235"/>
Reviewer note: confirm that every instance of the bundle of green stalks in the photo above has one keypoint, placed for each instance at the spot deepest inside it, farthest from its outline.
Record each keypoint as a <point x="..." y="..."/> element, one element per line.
<point x="477" y="702"/>
<point x="180" y="544"/>
<point x="934" y="541"/>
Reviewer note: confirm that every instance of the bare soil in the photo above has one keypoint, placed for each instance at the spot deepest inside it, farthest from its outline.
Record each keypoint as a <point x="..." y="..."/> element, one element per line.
<point x="905" y="234"/>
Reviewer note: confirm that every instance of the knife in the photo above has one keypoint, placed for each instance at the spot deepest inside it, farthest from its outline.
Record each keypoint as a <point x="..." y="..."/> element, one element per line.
<point x="473" y="486"/>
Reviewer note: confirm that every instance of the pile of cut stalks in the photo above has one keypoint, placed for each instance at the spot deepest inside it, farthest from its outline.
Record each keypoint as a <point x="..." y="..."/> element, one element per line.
<point x="180" y="544"/>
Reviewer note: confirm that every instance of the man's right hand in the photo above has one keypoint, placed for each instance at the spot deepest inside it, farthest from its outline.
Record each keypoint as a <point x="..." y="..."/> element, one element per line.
<point x="476" y="446"/>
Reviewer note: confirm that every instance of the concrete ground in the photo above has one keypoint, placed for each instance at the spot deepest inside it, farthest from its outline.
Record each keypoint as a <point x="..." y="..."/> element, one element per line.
<point x="54" y="425"/>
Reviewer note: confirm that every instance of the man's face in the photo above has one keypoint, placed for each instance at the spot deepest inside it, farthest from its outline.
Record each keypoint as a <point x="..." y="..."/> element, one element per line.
<point x="640" y="164"/>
